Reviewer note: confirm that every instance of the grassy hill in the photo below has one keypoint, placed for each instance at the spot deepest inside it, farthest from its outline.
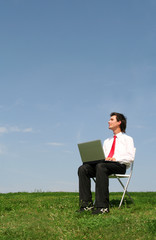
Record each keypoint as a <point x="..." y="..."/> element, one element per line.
<point x="48" y="216"/>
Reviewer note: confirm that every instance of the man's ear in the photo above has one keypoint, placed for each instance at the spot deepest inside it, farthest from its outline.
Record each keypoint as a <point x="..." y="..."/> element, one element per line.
<point x="119" y="123"/>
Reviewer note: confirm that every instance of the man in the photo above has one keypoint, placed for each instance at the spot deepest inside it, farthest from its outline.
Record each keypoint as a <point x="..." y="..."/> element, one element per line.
<point x="119" y="152"/>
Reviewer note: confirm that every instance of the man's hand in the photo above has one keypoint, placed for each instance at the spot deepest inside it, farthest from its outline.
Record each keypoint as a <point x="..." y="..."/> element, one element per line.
<point x="110" y="159"/>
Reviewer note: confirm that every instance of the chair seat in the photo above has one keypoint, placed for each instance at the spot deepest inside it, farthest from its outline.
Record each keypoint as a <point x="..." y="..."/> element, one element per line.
<point x="119" y="175"/>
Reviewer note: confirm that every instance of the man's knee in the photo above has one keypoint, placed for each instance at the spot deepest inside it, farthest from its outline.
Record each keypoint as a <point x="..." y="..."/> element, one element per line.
<point x="101" y="167"/>
<point x="81" y="170"/>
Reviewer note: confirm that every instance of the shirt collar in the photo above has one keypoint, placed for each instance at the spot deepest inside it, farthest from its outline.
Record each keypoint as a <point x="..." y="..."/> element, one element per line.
<point x="119" y="134"/>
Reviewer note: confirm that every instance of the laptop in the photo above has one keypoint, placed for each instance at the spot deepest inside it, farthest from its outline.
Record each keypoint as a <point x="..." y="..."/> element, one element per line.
<point x="91" y="152"/>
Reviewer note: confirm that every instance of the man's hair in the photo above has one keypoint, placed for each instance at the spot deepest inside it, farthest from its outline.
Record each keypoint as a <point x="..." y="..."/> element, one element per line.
<point x="122" y="118"/>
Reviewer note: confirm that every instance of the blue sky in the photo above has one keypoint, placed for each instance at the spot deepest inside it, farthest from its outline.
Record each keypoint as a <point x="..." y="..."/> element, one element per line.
<point x="64" y="67"/>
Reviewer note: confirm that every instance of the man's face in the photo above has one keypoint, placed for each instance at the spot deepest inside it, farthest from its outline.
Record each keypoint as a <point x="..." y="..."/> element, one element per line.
<point x="113" y="123"/>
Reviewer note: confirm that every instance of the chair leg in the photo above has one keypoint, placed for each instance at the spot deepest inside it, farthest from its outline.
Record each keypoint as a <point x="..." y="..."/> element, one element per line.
<point x="125" y="191"/>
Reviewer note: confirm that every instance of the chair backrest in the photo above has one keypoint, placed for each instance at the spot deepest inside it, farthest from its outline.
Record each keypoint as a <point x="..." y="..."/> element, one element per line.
<point x="132" y="164"/>
<point x="134" y="159"/>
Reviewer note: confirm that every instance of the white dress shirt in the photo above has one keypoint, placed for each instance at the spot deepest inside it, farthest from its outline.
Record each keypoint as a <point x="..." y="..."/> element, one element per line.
<point x="124" y="148"/>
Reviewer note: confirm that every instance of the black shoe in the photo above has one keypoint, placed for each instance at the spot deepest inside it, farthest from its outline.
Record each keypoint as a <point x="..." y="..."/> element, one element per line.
<point x="84" y="209"/>
<point x="100" y="211"/>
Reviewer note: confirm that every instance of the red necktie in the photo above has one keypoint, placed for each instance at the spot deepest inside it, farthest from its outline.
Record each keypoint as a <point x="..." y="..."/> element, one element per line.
<point x="112" y="148"/>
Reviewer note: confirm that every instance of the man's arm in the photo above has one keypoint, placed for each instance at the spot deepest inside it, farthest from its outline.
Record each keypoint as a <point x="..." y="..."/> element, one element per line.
<point x="125" y="152"/>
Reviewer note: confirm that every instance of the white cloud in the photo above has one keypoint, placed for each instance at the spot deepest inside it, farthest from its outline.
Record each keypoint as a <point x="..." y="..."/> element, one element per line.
<point x="139" y="126"/>
<point x="68" y="151"/>
<point x="78" y="136"/>
<point x="2" y="149"/>
<point x="3" y="130"/>
<point x="27" y="130"/>
<point x="13" y="129"/>
<point x="55" y="144"/>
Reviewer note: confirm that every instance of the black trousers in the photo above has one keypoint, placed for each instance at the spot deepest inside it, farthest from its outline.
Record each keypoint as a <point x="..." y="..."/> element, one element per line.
<point x="101" y="171"/>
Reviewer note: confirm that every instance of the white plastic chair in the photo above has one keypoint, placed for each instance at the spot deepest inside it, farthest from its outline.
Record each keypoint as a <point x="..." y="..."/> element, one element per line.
<point x="125" y="187"/>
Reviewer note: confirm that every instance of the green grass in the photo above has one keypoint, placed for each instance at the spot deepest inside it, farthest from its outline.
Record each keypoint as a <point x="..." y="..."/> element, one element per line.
<point x="48" y="216"/>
